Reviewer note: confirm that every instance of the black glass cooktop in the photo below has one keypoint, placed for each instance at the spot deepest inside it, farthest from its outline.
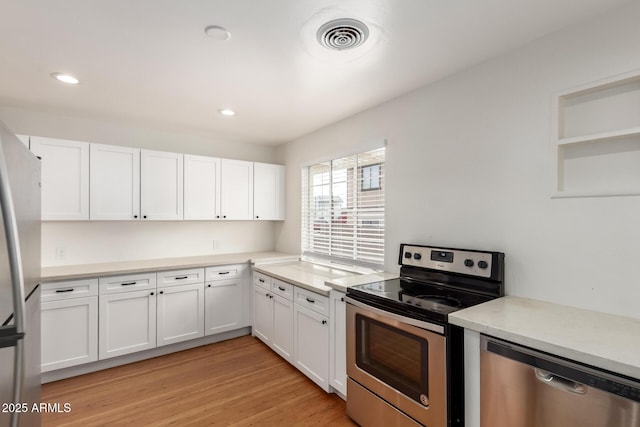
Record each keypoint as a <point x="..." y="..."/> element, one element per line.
<point x="426" y="300"/>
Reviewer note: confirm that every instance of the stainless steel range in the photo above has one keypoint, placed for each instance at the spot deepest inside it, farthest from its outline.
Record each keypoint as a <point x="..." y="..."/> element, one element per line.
<point x="405" y="362"/>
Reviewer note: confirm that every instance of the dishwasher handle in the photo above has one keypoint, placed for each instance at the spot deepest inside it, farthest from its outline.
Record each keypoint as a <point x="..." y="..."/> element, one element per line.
<point x="561" y="383"/>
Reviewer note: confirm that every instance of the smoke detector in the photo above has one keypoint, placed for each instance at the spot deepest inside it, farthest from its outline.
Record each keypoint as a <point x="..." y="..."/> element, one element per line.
<point x="342" y="34"/>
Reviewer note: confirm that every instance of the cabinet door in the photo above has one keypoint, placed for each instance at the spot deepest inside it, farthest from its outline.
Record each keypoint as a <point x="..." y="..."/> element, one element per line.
<point x="223" y="306"/>
<point x="338" y="342"/>
<point x="24" y="139"/>
<point x="236" y="189"/>
<point x="127" y="323"/>
<point x="311" y="345"/>
<point x="283" y="327"/>
<point x="114" y="183"/>
<point x="65" y="178"/>
<point x="262" y="314"/>
<point x="69" y="332"/>
<point x="268" y="191"/>
<point x="161" y="185"/>
<point x="180" y="313"/>
<point x="201" y="188"/>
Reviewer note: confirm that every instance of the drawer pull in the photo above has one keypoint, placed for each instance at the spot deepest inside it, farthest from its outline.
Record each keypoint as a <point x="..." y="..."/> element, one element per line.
<point x="324" y="322"/>
<point x="128" y="284"/>
<point x="223" y="272"/>
<point x="62" y="291"/>
<point x="342" y="299"/>
<point x="310" y="300"/>
<point x="281" y="288"/>
<point x="261" y="280"/>
<point x="182" y="277"/>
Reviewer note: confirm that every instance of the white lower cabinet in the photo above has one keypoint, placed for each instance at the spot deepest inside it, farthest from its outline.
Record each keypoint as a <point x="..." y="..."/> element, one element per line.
<point x="180" y="313"/>
<point x="127" y="319"/>
<point x="127" y="323"/>
<point x="311" y="345"/>
<point x="227" y="299"/>
<point x="98" y="318"/>
<point x="273" y="314"/>
<point x="282" y="342"/>
<point x="338" y="342"/>
<point x="69" y="324"/>
<point x="262" y="314"/>
<point x="294" y="322"/>
<point x="223" y="306"/>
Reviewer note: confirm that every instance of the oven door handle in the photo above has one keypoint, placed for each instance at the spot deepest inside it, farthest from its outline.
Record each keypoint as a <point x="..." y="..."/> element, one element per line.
<point x="414" y="322"/>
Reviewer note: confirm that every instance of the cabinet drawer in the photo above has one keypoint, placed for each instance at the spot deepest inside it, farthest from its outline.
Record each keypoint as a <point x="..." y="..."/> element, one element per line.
<point x="180" y="277"/>
<point x="284" y="289"/>
<point x="262" y="280"/>
<point x="56" y="291"/>
<point x="316" y="302"/>
<point x="128" y="283"/>
<point x="223" y="272"/>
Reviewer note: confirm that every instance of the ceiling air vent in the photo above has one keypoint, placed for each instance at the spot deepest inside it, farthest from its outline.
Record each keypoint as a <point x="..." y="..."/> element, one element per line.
<point x="341" y="34"/>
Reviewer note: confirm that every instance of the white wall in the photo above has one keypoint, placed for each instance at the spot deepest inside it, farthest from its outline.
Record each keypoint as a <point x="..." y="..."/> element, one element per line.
<point x="469" y="165"/>
<point x="105" y="241"/>
<point x="93" y="242"/>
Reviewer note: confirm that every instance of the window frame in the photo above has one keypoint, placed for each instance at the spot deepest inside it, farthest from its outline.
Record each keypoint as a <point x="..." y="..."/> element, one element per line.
<point x="352" y="231"/>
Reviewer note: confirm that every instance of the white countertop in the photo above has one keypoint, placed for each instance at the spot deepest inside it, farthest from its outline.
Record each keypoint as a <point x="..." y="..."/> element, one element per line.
<point x="598" y="339"/>
<point x="305" y="274"/>
<point x="320" y="278"/>
<point x="341" y="284"/>
<point x="67" y="272"/>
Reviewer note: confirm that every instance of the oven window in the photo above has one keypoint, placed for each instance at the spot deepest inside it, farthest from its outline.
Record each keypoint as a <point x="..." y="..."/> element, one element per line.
<point x="394" y="356"/>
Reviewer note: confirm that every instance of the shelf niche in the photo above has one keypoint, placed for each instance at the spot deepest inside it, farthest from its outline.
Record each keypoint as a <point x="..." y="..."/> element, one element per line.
<point x="597" y="141"/>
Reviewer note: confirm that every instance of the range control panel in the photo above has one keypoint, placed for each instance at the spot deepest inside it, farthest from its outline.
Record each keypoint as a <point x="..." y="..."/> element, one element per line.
<point x="461" y="261"/>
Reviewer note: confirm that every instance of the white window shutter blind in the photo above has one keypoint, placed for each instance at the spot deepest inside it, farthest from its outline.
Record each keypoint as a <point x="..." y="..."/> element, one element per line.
<point x="343" y="209"/>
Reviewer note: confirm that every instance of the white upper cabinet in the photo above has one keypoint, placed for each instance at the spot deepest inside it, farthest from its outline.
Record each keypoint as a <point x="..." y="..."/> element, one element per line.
<point x="114" y="182"/>
<point x="268" y="191"/>
<point x="161" y="185"/>
<point x="24" y="139"/>
<point x="65" y="178"/>
<point x="236" y="189"/>
<point x="201" y="188"/>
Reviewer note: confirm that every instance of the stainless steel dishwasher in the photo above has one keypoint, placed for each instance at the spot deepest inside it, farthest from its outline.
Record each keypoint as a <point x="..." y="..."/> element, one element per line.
<point x="521" y="387"/>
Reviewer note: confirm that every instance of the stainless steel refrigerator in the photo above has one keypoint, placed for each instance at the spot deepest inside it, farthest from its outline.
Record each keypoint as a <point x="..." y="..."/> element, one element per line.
<point x="19" y="282"/>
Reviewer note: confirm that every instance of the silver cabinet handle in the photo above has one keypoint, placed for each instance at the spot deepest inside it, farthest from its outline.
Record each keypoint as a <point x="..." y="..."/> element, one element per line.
<point x="560" y="383"/>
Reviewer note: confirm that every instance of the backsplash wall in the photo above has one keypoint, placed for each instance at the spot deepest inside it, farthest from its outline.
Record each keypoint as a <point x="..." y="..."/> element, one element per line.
<point x="69" y="243"/>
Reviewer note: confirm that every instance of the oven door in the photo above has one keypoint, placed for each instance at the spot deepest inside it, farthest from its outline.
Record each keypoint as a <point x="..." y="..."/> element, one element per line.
<point x="399" y="359"/>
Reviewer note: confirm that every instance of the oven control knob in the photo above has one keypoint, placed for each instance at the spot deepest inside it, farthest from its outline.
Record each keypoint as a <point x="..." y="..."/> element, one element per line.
<point x="417" y="256"/>
<point x="407" y="254"/>
<point x="468" y="262"/>
<point x="483" y="264"/>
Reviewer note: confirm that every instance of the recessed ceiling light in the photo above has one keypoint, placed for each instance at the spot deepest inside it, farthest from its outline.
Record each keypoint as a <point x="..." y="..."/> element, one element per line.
<point x="217" y="32"/>
<point x="226" y="112"/>
<point x="65" y="78"/>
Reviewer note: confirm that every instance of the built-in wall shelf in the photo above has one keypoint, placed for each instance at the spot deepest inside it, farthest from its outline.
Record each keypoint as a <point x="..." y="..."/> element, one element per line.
<point x="597" y="139"/>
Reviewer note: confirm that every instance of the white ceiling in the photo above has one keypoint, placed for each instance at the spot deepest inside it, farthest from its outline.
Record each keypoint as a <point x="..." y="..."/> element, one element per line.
<point x="149" y="62"/>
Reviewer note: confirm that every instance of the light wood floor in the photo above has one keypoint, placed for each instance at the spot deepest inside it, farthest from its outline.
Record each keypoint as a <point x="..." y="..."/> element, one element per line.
<point x="239" y="382"/>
